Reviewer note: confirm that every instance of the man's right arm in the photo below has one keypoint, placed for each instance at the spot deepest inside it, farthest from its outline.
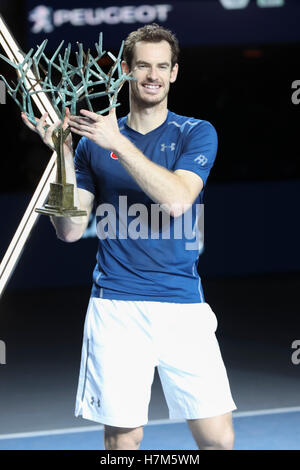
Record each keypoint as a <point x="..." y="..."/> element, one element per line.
<point x="68" y="229"/>
<point x="71" y="229"/>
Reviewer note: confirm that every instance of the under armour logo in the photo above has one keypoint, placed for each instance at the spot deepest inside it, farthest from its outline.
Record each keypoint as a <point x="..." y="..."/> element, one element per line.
<point x="201" y="160"/>
<point x="163" y="147"/>
<point x="93" y="401"/>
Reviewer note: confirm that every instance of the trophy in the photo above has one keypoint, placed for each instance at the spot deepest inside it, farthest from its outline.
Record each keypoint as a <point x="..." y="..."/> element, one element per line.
<point x="65" y="84"/>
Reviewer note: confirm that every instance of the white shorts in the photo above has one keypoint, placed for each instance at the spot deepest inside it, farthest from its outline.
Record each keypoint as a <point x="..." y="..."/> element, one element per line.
<point x="123" y="343"/>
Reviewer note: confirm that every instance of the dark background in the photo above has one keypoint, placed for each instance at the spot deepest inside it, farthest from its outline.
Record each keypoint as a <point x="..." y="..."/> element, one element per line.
<point x="244" y="88"/>
<point x="242" y="83"/>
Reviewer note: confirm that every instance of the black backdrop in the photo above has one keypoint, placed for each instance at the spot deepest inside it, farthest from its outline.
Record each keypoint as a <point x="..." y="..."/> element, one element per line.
<point x="245" y="90"/>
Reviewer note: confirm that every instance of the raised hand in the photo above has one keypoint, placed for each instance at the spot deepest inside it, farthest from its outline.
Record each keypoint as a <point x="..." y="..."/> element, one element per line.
<point x="103" y="130"/>
<point x="45" y="130"/>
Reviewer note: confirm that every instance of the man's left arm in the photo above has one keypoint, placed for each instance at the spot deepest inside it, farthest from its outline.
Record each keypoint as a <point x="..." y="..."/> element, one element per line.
<point x="175" y="190"/>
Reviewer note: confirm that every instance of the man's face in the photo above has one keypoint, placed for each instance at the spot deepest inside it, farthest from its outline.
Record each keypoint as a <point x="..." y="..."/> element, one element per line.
<point x="151" y="66"/>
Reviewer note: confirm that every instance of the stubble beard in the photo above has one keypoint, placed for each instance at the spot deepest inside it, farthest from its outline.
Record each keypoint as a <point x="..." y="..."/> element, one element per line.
<point x="141" y="102"/>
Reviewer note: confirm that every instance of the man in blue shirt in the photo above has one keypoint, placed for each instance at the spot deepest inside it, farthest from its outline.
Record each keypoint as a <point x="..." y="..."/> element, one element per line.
<point x="145" y="173"/>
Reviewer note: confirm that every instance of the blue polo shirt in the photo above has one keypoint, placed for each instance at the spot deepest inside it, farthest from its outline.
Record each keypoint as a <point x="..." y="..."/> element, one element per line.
<point x="143" y="253"/>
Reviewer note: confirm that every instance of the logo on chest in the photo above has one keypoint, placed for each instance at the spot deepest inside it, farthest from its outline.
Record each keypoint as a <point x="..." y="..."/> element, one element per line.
<point x="163" y="147"/>
<point x="113" y="156"/>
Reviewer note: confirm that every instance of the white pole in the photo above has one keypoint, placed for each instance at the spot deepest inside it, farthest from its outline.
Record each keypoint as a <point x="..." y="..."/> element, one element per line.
<point x="39" y="197"/>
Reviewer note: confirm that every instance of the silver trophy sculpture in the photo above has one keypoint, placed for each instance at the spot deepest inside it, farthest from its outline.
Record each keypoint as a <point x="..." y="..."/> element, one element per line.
<point x="65" y="84"/>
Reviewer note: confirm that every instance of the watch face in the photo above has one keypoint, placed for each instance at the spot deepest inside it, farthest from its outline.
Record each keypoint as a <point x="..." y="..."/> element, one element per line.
<point x="232" y="4"/>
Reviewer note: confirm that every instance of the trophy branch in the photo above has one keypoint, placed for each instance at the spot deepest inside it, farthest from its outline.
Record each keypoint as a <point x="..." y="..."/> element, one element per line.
<point x="65" y="84"/>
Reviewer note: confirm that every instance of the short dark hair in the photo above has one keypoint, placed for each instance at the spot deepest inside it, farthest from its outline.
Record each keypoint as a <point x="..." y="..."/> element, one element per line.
<point x="150" y="33"/>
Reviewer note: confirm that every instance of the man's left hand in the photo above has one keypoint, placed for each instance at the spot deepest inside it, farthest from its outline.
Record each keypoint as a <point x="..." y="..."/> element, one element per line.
<point x="103" y="130"/>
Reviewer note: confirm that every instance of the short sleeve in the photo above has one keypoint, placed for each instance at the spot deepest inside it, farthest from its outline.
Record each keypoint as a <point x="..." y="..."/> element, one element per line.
<point x="199" y="150"/>
<point x="84" y="176"/>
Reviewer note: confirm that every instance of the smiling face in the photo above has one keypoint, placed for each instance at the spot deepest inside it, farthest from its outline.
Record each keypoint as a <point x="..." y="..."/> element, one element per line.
<point x="151" y="66"/>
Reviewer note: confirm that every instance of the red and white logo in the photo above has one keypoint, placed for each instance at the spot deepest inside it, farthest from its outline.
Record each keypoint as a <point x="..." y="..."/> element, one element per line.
<point x="113" y="155"/>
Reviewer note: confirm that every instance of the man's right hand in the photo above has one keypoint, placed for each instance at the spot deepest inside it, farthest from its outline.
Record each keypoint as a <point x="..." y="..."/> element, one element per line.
<point x="45" y="131"/>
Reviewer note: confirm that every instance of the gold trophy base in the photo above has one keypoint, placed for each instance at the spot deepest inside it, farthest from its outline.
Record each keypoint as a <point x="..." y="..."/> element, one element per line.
<point x="61" y="202"/>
